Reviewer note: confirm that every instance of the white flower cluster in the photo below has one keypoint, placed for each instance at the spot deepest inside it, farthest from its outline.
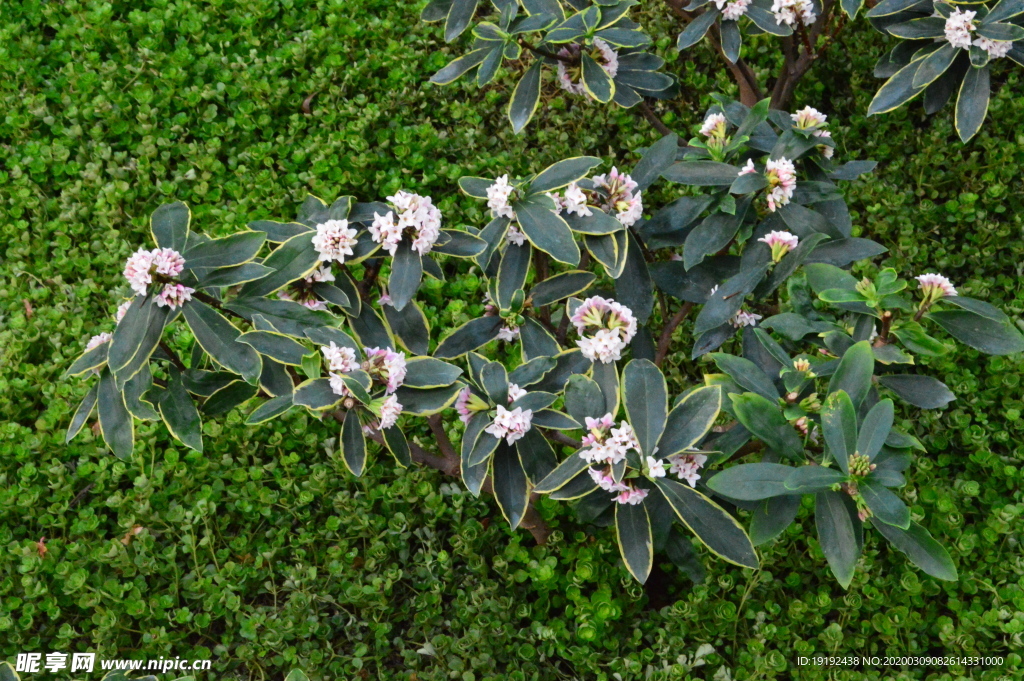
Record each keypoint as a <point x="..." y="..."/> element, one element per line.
<point x="627" y="206"/>
<point x="781" y="176"/>
<point x="334" y="240"/>
<point x="573" y="201"/>
<point x="97" y="340"/>
<point x="604" y="443"/>
<point x="498" y="198"/>
<point x="514" y="236"/>
<point x="509" y="334"/>
<point x="510" y="424"/>
<point x="607" y="58"/>
<point x="415" y="213"/>
<point x="687" y="466"/>
<point x="514" y="392"/>
<point x="732" y="9"/>
<point x="385" y="365"/>
<point x="789" y="12"/>
<point x="340" y="360"/>
<point x="959" y="30"/>
<point x="606" y="327"/>
<point x="959" y="26"/>
<point x="741" y="318"/>
<point x="809" y="117"/>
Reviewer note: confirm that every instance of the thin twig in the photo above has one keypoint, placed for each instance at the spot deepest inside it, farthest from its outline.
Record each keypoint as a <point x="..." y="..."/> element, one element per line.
<point x="175" y="360"/>
<point x="665" y="340"/>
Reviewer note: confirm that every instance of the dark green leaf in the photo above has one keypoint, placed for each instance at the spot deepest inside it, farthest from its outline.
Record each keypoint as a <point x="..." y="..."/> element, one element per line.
<point x="270" y="409"/>
<point x="771" y="517"/>
<point x="921" y="549"/>
<point x="718" y="530"/>
<point x="885" y="506"/>
<point x="468" y="337"/>
<point x="633" y="287"/>
<point x="811" y="479"/>
<point x="921" y="391"/>
<point x="511" y="488"/>
<point x="561" y="173"/>
<point x="169" y="225"/>
<point x="981" y="333"/>
<point x="839" y="427"/>
<point x="218" y="336"/>
<point x="696" y="29"/>
<point x="646" y="398"/>
<point x="292" y="260"/>
<point x="875" y="429"/>
<point x="747" y="374"/>
<point x="690" y="420"/>
<point x="315" y="394"/>
<point x="702" y="173"/>
<point x="353" y="443"/>
<point x="546" y="230"/>
<point x="854" y="372"/>
<point x="227" y="252"/>
<point x="277" y="346"/>
<point x="752" y="481"/>
<point x="837" y="535"/>
<point x="633" y="530"/>
<point x="763" y="418"/>
<point x="426" y="402"/>
<point x="82" y="414"/>
<point x="180" y="414"/>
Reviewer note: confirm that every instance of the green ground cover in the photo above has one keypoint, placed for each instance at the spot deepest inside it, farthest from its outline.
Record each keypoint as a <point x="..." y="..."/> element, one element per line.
<point x="263" y="553"/>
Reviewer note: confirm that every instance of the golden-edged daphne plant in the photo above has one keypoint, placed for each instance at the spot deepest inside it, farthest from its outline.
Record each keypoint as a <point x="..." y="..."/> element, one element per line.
<point x="556" y="389"/>
<point x="593" y="48"/>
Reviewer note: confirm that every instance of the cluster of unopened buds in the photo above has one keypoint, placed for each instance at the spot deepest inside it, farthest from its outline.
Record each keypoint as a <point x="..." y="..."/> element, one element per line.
<point x="781" y="243"/>
<point x="570" y="70"/>
<point x="158" y="266"/>
<point x="413" y="214"/>
<point x="959" y="31"/>
<point x="606" y="328"/>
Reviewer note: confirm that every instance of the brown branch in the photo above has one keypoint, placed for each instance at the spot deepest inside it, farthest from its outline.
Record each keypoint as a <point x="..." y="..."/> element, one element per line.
<point x="665" y="340"/>
<point x="541" y="52"/>
<point x="561" y="438"/>
<point x="175" y="360"/>
<point x="742" y="74"/>
<point x="655" y="120"/>
<point x="370" y="277"/>
<point x="213" y="302"/>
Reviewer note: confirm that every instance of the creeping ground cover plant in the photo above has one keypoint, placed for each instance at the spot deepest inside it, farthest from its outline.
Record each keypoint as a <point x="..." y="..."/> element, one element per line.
<point x="743" y="277"/>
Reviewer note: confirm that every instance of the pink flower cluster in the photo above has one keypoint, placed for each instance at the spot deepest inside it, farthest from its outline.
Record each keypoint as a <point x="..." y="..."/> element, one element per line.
<point x="417" y="214"/>
<point x="604" y="443"/>
<point x="508" y="333"/>
<point x="97" y="340"/>
<point x="389" y="412"/>
<point x="687" y="466"/>
<point x="621" y="201"/>
<point x="142" y="264"/>
<point x="510" y="424"/>
<point x="781" y="176"/>
<point x="935" y="286"/>
<point x="607" y="57"/>
<point x="334" y="240"/>
<point x="627" y="494"/>
<point x="606" y="328"/>
<point x="386" y="366"/>
<point x="174" y="296"/>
